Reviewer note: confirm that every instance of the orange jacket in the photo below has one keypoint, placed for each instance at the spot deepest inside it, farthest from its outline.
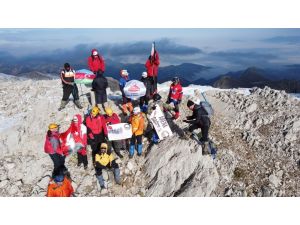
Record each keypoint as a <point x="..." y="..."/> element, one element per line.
<point x="64" y="190"/>
<point x="137" y="123"/>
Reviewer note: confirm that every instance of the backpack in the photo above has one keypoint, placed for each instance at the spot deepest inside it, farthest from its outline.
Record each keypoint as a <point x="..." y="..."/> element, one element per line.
<point x="207" y="107"/>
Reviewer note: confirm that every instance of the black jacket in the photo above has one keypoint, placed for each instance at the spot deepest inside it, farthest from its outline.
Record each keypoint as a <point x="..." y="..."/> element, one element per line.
<point x="199" y="116"/>
<point x="100" y="84"/>
<point x="148" y="85"/>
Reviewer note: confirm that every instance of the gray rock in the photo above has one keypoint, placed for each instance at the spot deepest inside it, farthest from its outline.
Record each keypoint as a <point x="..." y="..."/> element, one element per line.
<point x="3" y="184"/>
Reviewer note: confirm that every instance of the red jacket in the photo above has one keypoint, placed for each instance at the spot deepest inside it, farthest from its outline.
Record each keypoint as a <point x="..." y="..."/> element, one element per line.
<point x="96" y="63"/>
<point x="152" y="65"/>
<point x="52" y="144"/>
<point x="175" y="92"/>
<point x="95" y="125"/>
<point x="78" y="132"/>
<point x="114" y="119"/>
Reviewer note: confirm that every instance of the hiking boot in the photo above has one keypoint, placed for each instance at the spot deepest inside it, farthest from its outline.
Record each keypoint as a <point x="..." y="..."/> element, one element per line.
<point x="205" y="148"/>
<point x="62" y="105"/>
<point x="85" y="167"/>
<point x="77" y="103"/>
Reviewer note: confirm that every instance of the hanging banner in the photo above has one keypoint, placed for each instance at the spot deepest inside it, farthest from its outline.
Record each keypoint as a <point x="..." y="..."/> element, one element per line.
<point x="119" y="131"/>
<point x="160" y="124"/>
<point x="134" y="89"/>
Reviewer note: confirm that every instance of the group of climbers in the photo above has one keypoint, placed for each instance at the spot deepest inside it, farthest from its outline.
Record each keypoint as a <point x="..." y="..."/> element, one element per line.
<point x="93" y="129"/>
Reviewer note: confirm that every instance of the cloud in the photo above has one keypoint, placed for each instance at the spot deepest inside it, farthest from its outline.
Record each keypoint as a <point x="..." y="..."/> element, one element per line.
<point x="283" y="39"/>
<point x="244" y="57"/>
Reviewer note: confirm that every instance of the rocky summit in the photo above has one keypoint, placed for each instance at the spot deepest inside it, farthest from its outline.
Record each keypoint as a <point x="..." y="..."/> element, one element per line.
<point x="257" y="136"/>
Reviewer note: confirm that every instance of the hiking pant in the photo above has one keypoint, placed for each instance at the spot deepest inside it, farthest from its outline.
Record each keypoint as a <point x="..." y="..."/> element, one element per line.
<point x="59" y="163"/>
<point x="108" y="166"/>
<point x="101" y="97"/>
<point x="153" y="85"/>
<point x="117" y="146"/>
<point x="82" y="159"/>
<point x="95" y="144"/>
<point x="204" y="131"/>
<point x="138" y="139"/>
<point x="68" y="90"/>
<point x="144" y="101"/>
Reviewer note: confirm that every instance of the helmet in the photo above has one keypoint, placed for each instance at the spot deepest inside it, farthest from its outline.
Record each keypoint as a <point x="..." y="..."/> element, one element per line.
<point x="156" y="97"/>
<point x="136" y="110"/>
<point x="144" y="74"/>
<point x="124" y="73"/>
<point x="52" y="126"/>
<point x="95" y="111"/>
<point x="175" y="80"/>
<point x="109" y="111"/>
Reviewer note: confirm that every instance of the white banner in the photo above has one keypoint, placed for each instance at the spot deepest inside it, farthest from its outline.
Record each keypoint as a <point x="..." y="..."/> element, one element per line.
<point x="160" y="124"/>
<point x="119" y="131"/>
<point x="134" y="89"/>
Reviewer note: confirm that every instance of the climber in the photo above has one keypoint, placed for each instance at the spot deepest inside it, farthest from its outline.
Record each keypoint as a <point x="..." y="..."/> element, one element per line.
<point x="175" y="96"/>
<point x="199" y="119"/>
<point x="144" y="101"/>
<point x="78" y="131"/>
<point x="99" y="86"/>
<point x="67" y="79"/>
<point x="152" y="106"/>
<point x="96" y="63"/>
<point x="126" y="102"/>
<point x="53" y="148"/>
<point x="113" y="118"/>
<point x="151" y="65"/>
<point x="105" y="160"/>
<point x="60" y="186"/>
<point x="137" y="123"/>
<point x="96" y="130"/>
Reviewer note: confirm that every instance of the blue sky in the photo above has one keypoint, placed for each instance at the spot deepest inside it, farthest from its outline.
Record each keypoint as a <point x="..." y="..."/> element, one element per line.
<point x="225" y="48"/>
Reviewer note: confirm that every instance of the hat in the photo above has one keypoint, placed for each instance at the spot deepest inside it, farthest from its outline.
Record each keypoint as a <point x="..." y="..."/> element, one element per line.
<point x="95" y="53"/>
<point x="136" y="110"/>
<point x="124" y="73"/>
<point x="175" y="79"/>
<point x="109" y="111"/>
<point x="59" y="178"/>
<point x="52" y="126"/>
<point x="144" y="74"/>
<point x="156" y="97"/>
<point x="103" y="145"/>
<point x="75" y="119"/>
<point x="66" y="65"/>
<point x="95" y="111"/>
<point x="190" y="103"/>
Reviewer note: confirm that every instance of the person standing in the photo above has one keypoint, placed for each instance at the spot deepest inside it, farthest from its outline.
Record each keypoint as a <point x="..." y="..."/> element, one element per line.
<point x="152" y="65"/>
<point x="69" y="87"/>
<point x="126" y="102"/>
<point x="53" y="148"/>
<point x="138" y="124"/>
<point x="78" y="131"/>
<point x="96" y="130"/>
<point x="110" y="119"/>
<point x="99" y="86"/>
<point x="175" y="96"/>
<point x="144" y="101"/>
<point x="96" y="63"/>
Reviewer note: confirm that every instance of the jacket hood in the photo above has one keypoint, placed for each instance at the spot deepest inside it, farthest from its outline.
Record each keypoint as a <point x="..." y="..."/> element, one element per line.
<point x="79" y="118"/>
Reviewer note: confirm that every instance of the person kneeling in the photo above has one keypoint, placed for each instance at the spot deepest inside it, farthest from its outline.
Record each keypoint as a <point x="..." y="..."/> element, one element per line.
<point x="105" y="160"/>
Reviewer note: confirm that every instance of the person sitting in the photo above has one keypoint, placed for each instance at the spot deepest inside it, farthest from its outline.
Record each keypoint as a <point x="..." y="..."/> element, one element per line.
<point x="126" y="102"/>
<point x="60" y="186"/>
<point x="105" y="160"/>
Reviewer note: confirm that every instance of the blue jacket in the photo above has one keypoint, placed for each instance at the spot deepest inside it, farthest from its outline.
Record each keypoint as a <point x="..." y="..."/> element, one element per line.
<point x="122" y="83"/>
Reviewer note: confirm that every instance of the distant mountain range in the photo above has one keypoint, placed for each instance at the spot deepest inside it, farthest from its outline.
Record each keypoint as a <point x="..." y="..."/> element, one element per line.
<point x="285" y="78"/>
